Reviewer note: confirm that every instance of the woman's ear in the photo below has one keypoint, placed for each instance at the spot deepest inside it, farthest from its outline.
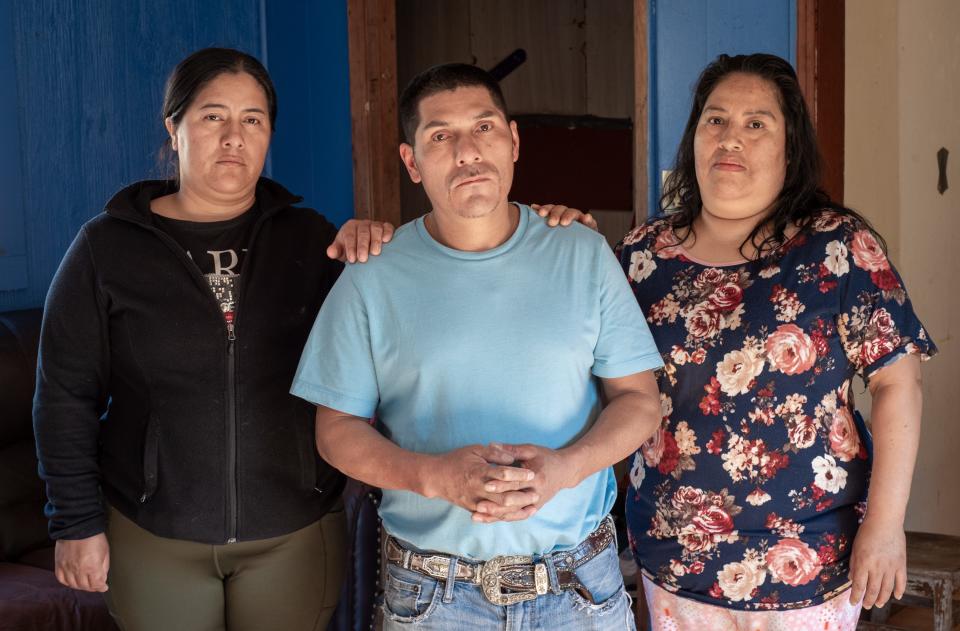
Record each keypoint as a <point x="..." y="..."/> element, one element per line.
<point x="172" y="130"/>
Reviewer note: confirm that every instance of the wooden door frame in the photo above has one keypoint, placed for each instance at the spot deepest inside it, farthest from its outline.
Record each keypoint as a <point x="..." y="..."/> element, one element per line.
<point x="371" y="27"/>
<point x="820" y="69"/>
<point x="372" y="43"/>
<point x="641" y="113"/>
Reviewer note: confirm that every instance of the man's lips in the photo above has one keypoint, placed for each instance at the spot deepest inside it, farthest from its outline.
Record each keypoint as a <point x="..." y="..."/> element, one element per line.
<point x="228" y="161"/>
<point x="472" y="180"/>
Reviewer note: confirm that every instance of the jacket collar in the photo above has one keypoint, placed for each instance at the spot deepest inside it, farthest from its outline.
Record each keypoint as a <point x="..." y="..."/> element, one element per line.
<point x="133" y="202"/>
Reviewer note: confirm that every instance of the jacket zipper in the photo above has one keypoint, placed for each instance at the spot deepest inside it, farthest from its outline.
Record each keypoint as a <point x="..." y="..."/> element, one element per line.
<point x="232" y="429"/>
<point x="232" y="491"/>
<point x="233" y="494"/>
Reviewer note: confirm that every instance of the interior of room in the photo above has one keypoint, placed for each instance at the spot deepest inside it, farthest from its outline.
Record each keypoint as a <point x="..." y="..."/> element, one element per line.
<point x="600" y="91"/>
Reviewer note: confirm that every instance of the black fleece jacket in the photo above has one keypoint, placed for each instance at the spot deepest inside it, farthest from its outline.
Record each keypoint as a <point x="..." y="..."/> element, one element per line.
<point x="145" y="400"/>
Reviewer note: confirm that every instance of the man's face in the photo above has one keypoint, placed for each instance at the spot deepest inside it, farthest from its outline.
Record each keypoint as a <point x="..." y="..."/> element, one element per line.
<point x="463" y="152"/>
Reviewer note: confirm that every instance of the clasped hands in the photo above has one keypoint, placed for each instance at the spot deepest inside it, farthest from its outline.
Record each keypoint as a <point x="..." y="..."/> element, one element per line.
<point x="498" y="482"/>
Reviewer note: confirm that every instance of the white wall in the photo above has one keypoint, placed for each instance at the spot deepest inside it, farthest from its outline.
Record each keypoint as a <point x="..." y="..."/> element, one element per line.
<point x="902" y="105"/>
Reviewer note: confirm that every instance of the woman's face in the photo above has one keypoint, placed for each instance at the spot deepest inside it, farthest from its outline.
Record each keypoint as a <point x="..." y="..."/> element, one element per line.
<point x="222" y="139"/>
<point x="740" y="147"/>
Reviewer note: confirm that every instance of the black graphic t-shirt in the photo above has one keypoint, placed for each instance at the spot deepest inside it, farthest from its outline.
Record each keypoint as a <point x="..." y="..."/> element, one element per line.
<point x="218" y="249"/>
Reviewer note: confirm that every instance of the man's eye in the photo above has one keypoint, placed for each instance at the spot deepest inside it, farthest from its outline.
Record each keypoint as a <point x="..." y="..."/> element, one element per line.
<point x="253" y="121"/>
<point x="439" y="137"/>
<point x="756" y="125"/>
<point x="213" y="117"/>
<point x="485" y="127"/>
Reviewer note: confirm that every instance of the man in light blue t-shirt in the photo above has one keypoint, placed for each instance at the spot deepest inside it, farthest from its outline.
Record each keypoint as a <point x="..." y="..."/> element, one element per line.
<point x="479" y="339"/>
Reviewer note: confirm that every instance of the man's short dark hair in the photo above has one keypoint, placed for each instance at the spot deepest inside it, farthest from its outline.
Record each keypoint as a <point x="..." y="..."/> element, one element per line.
<point x="440" y="79"/>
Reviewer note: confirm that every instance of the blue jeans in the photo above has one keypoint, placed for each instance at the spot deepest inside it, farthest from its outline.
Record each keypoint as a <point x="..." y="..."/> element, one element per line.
<point x="414" y="601"/>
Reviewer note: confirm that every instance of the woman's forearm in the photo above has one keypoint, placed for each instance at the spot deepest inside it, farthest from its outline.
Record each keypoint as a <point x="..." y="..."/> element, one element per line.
<point x="896" y="412"/>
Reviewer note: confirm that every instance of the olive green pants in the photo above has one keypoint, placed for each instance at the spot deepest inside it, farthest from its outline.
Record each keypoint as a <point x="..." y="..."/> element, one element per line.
<point x="290" y="582"/>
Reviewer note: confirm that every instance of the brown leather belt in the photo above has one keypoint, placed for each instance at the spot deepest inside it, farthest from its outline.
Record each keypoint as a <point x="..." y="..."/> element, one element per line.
<point x="523" y="576"/>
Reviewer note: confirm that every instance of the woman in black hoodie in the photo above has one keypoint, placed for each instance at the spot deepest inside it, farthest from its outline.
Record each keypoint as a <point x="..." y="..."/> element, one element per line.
<point x="179" y="470"/>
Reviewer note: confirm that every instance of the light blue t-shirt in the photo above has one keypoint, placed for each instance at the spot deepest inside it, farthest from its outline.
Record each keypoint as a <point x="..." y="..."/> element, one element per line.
<point x="450" y="348"/>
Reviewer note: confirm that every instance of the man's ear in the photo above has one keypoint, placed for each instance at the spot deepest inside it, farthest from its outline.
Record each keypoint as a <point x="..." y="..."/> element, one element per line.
<point x="516" y="140"/>
<point x="172" y="130"/>
<point x="407" y="157"/>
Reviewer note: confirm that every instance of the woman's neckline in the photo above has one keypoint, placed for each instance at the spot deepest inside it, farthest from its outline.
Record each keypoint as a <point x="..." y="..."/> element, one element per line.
<point x="693" y="259"/>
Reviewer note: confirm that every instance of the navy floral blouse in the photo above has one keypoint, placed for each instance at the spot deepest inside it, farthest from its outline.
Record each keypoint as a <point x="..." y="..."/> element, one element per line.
<point x="750" y="494"/>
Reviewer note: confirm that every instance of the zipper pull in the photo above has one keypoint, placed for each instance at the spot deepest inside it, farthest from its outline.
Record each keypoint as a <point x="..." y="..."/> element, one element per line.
<point x="231" y="333"/>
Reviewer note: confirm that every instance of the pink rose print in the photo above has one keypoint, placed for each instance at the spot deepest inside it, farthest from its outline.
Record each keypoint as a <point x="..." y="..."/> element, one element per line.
<point x="695" y="540"/>
<point x="793" y="562"/>
<point x="827" y="555"/>
<point x="844" y="440"/>
<point x="867" y="253"/>
<point x="671" y="454"/>
<point x="726" y="297"/>
<point x="708" y="278"/>
<point x="652" y="450"/>
<point x="702" y="321"/>
<point x="665" y="245"/>
<point x="803" y="433"/>
<point x="714" y="520"/>
<point x="885" y="279"/>
<point x="874" y="349"/>
<point x="884" y="323"/>
<point x="710" y="403"/>
<point x="687" y="495"/>
<point x="790" y="350"/>
<point x="715" y="444"/>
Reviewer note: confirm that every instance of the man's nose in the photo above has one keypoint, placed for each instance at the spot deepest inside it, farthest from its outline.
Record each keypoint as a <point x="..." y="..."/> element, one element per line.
<point x="468" y="151"/>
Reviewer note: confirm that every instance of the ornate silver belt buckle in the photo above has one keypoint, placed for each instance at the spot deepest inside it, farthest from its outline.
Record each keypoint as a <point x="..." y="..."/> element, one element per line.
<point x="490" y="580"/>
<point x="436" y="566"/>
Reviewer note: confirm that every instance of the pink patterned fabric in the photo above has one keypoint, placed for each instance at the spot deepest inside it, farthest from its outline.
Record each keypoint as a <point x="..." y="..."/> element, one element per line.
<point x="670" y="612"/>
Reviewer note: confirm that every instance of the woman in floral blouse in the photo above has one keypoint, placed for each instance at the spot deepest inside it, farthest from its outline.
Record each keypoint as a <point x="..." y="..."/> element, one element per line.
<point x="765" y="298"/>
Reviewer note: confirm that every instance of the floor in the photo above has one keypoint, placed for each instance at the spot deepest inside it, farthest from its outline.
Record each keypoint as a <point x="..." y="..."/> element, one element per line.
<point x="912" y="619"/>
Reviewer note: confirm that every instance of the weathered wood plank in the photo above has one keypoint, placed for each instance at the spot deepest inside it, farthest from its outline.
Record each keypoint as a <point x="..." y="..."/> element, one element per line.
<point x="609" y="58"/>
<point x="373" y="108"/>
<point x="552" y="80"/>
<point x="429" y="32"/>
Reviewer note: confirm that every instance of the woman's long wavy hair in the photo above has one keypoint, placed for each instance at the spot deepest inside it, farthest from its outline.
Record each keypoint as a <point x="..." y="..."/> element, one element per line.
<point x="801" y="196"/>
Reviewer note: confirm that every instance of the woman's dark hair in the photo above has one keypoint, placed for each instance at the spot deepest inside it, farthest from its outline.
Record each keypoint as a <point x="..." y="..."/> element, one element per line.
<point x="193" y="73"/>
<point x="801" y="196"/>
<point x="440" y="79"/>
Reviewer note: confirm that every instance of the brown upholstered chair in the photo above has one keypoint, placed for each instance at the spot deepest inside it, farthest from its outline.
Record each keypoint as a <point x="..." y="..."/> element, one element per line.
<point x="31" y="599"/>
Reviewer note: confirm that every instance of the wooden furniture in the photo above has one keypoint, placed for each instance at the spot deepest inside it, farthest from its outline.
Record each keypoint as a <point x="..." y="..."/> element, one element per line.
<point x="933" y="580"/>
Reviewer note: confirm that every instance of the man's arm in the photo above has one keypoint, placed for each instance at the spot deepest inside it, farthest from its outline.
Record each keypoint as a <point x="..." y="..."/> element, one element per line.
<point x="631" y="416"/>
<point x="353" y="446"/>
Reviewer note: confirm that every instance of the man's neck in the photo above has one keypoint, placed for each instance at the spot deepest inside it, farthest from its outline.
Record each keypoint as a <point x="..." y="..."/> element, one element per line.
<point x="474" y="234"/>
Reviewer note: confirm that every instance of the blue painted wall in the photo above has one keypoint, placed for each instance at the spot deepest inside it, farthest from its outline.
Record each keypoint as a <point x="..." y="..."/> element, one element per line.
<point x="685" y="35"/>
<point x="307" y="57"/>
<point x="88" y="88"/>
<point x="13" y="246"/>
